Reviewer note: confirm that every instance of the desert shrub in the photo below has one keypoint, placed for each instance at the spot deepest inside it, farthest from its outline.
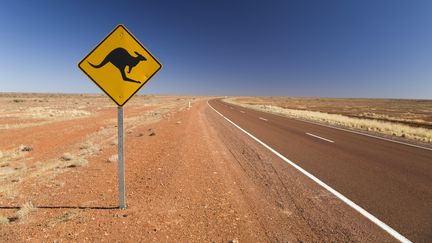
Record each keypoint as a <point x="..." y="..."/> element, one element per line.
<point x="4" y="220"/>
<point x="113" y="158"/>
<point x="25" y="209"/>
<point x="25" y="148"/>
<point x="72" y="161"/>
<point x="67" y="216"/>
<point x="67" y="157"/>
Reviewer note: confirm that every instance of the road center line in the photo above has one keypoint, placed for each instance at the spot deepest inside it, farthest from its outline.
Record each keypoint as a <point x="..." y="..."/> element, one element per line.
<point x="344" y="199"/>
<point x="263" y="119"/>
<point x="325" y="139"/>
<point x="352" y="131"/>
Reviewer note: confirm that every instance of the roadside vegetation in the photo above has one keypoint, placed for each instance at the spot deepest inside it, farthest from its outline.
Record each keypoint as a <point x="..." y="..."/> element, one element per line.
<point x="386" y="127"/>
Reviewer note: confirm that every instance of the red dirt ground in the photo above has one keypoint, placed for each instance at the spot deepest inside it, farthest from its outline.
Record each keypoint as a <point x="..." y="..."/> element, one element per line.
<point x="197" y="179"/>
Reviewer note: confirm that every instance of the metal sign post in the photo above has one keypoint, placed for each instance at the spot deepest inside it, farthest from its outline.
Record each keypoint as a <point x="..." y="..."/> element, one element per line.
<point x="105" y="65"/>
<point x="121" y="166"/>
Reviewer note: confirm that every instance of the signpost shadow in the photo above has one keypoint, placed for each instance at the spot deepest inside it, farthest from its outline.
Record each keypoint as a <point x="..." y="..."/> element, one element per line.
<point x="65" y="207"/>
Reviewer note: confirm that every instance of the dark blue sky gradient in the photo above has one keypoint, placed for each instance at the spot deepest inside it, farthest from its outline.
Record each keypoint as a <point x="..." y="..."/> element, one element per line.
<point x="294" y="48"/>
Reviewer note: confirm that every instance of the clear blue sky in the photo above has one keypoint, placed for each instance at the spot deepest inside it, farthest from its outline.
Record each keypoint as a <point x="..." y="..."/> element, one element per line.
<point x="295" y="48"/>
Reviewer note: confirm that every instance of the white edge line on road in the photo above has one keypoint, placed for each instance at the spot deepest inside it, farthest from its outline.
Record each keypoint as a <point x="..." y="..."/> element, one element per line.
<point x="263" y="119"/>
<point x="350" y="203"/>
<point x="359" y="133"/>
<point x="325" y="139"/>
<point x="347" y="130"/>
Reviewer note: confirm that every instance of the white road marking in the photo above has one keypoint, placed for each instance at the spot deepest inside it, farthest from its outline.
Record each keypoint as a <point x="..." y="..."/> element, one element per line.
<point x="242" y="112"/>
<point x="325" y="139"/>
<point x="263" y="119"/>
<point x="351" y="131"/>
<point x="344" y="199"/>
<point x="363" y="134"/>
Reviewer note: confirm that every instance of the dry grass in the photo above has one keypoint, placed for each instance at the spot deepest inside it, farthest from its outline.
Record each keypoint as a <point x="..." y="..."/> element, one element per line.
<point x="25" y="210"/>
<point x="409" y="112"/>
<point x="67" y="157"/>
<point x="12" y="168"/>
<point x="73" y="161"/>
<point x="44" y="112"/>
<point x="8" y="190"/>
<point x="67" y="216"/>
<point x="384" y="127"/>
<point x="89" y="148"/>
<point x="113" y="158"/>
<point x="25" y="148"/>
<point x="29" y="110"/>
<point x="4" y="220"/>
<point x="44" y="170"/>
<point x="20" y="110"/>
<point x="15" y="154"/>
<point x="56" y="166"/>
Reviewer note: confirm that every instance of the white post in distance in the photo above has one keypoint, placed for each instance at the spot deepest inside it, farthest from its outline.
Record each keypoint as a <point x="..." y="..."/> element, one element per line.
<point x="121" y="166"/>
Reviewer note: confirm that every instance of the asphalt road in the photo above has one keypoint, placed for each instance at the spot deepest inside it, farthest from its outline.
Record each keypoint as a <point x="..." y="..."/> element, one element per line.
<point x="391" y="181"/>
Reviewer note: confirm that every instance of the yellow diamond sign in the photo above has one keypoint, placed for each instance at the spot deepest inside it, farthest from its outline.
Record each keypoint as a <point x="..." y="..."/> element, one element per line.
<point x="120" y="65"/>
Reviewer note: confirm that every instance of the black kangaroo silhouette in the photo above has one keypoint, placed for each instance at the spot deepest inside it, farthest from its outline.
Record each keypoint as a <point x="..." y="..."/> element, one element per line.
<point x="121" y="58"/>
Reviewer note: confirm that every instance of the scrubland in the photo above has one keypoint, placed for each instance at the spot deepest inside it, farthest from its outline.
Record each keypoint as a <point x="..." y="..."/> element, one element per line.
<point x="404" y="119"/>
<point x="43" y="136"/>
<point x="190" y="176"/>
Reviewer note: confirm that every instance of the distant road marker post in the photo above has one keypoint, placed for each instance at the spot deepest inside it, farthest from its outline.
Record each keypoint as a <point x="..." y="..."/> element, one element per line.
<point x="120" y="65"/>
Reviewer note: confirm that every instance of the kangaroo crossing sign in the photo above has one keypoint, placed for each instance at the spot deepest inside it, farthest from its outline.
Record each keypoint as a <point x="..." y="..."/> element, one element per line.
<point x="120" y="65"/>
